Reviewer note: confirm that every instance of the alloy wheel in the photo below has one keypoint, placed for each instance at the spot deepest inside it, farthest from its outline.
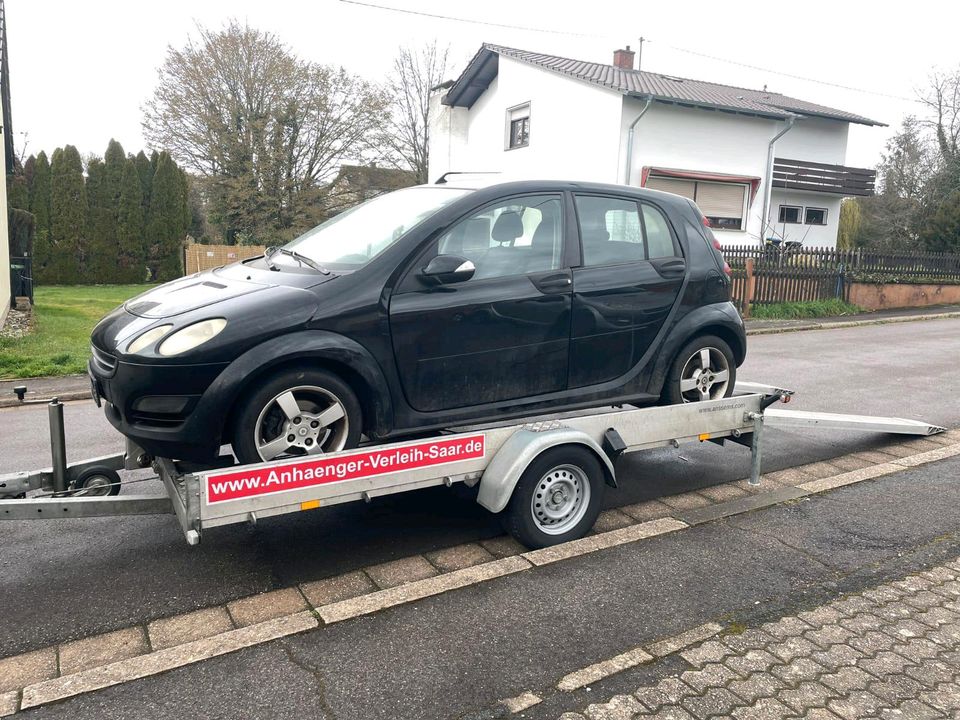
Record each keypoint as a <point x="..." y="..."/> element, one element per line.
<point x="303" y="420"/>
<point x="705" y="375"/>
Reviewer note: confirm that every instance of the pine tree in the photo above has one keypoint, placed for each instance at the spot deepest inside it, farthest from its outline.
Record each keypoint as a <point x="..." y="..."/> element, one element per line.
<point x="18" y="193"/>
<point x="68" y="216"/>
<point x="165" y="225"/>
<point x="131" y="263"/>
<point x="29" y="168"/>
<point x="40" y="207"/>
<point x="101" y="234"/>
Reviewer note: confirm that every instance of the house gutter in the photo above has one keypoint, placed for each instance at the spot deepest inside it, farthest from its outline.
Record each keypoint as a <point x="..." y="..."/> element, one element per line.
<point x="629" y="165"/>
<point x="768" y="177"/>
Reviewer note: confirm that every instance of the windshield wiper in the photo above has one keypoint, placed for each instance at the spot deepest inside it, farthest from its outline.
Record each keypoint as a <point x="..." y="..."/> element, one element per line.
<point x="302" y="259"/>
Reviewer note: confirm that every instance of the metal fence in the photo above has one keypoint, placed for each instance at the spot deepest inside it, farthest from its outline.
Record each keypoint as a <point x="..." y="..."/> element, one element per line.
<point x="207" y="257"/>
<point x="21" y="279"/>
<point x="771" y="274"/>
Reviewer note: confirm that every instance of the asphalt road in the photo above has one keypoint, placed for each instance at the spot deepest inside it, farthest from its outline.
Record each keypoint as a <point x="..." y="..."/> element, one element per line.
<point x="73" y="578"/>
<point x="455" y="655"/>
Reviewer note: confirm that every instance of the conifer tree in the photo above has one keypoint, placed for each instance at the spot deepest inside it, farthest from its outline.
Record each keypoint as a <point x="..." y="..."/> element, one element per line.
<point x="68" y="216"/>
<point x="40" y="207"/>
<point x="165" y="226"/>
<point x="145" y="172"/>
<point x="131" y="261"/>
<point x="100" y="246"/>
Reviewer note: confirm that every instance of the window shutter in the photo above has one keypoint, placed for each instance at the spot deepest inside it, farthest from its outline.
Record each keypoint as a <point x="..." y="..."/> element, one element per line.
<point x="684" y="188"/>
<point x="723" y="200"/>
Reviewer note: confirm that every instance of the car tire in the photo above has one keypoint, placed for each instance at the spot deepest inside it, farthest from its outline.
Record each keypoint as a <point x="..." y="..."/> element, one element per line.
<point x="576" y="475"/>
<point x="297" y="413"/>
<point x="686" y="381"/>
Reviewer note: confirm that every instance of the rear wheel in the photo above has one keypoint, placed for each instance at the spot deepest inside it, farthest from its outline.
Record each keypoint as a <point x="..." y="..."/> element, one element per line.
<point x="557" y="498"/>
<point x="705" y="369"/>
<point x="297" y="413"/>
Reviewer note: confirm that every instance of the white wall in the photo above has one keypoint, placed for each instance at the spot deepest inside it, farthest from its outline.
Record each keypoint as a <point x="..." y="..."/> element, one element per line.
<point x="815" y="140"/>
<point x="704" y="141"/>
<point x="809" y="235"/>
<point x="573" y="129"/>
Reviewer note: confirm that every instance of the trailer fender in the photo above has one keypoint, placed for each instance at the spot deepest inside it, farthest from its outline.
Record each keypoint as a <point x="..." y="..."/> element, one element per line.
<point x="504" y="471"/>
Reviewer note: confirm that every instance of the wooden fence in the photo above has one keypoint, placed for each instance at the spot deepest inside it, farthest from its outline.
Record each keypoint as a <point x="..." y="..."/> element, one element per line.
<point x="207" y="257"/>
<point x="804" y="274"/>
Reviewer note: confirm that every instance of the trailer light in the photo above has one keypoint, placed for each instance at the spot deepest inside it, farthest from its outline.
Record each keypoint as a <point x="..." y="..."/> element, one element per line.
<point x="148" y="338"/>
<point x="191" y="336"/>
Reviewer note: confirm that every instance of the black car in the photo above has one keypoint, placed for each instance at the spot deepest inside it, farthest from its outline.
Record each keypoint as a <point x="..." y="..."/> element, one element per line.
<point x="427" y="308"/>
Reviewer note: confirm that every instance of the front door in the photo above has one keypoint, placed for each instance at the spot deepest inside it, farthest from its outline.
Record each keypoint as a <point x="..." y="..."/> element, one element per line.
<point x="629" y="281"/>
<point x="504" y="333"/>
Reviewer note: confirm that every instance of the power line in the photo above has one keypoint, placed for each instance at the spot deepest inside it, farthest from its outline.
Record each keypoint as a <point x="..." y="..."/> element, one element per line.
<point x="471" y="21"/>
<point x="789" y="75"/>
<point x="406" y="11"/>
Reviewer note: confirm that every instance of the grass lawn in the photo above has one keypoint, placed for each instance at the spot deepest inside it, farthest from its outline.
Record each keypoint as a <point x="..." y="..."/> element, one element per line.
<point x="802" y="310"/>
<point x="63" y="316"/>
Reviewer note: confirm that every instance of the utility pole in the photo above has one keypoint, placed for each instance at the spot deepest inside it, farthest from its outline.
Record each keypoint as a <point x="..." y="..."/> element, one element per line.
<point x="640" y="53"/>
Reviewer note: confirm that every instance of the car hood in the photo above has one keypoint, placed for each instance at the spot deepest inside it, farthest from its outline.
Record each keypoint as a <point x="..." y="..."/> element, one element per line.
<point x="209" y="288"/>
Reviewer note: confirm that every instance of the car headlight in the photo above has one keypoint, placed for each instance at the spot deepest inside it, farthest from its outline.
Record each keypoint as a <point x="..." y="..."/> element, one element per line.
<point x="191" y="336"/>
<point x="148" y="338"/>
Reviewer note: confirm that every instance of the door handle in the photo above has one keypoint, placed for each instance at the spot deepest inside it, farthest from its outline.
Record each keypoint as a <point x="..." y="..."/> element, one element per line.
<point x="552" y="282"/>
<point x="670" y="267"/>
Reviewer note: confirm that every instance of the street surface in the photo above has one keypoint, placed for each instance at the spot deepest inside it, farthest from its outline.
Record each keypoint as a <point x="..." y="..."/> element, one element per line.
<point x="457" y="654"/>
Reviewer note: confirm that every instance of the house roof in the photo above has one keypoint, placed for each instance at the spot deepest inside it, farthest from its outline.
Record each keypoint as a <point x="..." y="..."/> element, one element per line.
<point x="636" y="83"/>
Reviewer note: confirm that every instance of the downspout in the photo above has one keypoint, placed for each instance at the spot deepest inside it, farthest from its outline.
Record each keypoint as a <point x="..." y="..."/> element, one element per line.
<point x="768" y="177"/>
<point x="630" y="138"/>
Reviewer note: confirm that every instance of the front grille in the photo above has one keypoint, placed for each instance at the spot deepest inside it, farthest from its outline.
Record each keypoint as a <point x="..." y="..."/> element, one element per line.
<point x="104" y="363"/>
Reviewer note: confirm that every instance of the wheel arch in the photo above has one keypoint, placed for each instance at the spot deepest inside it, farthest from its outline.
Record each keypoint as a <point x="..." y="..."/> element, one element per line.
<point x="353" y="363"/>
<point x="502" y="474"/>
<point x="722" y="321"/>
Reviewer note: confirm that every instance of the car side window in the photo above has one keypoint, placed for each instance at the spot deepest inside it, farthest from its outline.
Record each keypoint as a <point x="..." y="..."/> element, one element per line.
<point x="659" y="240"/>
<point x="610" y="230"/>
<point x="512" y="237"/>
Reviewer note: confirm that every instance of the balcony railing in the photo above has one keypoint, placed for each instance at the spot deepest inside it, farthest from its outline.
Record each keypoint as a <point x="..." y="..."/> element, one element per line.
<point x="820" y="177"/>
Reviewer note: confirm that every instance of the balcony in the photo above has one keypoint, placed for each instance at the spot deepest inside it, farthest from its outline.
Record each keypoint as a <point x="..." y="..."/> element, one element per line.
<point x="820" y="177"/>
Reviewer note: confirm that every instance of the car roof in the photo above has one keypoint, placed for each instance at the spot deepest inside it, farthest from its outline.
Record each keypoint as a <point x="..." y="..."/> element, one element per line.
<point x="494" y="184"/>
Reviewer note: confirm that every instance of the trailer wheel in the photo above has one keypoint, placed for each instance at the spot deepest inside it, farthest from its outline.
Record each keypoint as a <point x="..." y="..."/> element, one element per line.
<point x="97" y="481"/>
<point x="557" y="498"/>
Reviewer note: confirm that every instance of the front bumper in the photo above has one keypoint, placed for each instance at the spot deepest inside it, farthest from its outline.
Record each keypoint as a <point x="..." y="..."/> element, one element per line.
<point x="156" y="406"/>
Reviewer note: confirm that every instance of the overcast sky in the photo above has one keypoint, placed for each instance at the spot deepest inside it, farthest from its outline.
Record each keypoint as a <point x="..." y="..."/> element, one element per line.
<point x="80" y="71"/>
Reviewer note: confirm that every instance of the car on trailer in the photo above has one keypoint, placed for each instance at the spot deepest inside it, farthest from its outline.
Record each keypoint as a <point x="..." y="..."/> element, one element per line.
<point x="423" y="309"/>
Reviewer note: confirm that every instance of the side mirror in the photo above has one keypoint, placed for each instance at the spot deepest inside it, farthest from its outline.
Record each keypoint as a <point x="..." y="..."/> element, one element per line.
<point x="445" y="269"/>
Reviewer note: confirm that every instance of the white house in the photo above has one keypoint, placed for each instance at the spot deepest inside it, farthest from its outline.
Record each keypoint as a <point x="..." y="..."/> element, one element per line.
<point x="742" y="155"/>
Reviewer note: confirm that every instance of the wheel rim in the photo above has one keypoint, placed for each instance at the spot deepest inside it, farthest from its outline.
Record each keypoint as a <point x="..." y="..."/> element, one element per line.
<point x="705" y="376"/>
<point x="300" y="421"/>
<point x="560" y="499"/>
<point x="95" y="486"/>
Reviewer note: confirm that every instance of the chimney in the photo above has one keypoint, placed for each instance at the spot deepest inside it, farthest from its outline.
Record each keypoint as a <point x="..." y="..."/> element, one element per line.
<point x="623" y="59"/>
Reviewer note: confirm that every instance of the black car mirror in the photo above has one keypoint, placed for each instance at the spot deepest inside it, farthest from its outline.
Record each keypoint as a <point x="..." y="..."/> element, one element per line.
<point x="449" y="269"/>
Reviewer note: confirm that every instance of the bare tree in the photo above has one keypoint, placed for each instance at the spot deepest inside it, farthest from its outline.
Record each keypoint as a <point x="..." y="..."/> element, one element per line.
<point x="405" y="141"/>
<point x="942" y="99"/>
<point x="263" y="127"/>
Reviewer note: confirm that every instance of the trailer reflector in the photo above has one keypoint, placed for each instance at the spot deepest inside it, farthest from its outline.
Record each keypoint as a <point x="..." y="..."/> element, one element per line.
<point x="310" y="505"/>
<point x="704" y="436"/>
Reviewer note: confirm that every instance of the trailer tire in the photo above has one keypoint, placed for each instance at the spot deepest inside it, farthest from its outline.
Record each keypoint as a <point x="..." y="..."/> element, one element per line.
<point x="314" y="393"/>
<point x="97" y="481"/>
<point x="557" y="498"/>
<point x="687" y="367"/>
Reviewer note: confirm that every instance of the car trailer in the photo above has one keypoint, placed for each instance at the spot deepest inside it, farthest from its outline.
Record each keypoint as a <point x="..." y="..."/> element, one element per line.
<point x="548" y="474"/>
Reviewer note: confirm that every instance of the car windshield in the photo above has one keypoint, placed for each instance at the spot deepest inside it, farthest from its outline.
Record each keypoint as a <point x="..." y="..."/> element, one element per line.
<point x="351" y="239"/>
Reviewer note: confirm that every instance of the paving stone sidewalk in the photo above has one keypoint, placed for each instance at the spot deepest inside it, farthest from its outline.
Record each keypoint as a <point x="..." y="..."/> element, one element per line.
<point x="889" y="652"/>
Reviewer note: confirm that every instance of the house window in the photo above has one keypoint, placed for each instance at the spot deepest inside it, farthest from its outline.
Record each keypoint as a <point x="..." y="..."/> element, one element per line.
<point x="722" y="203"/>
<point x="518" y="127"/>
<point x="815" y="216"/>
<point x="790" y="214"/>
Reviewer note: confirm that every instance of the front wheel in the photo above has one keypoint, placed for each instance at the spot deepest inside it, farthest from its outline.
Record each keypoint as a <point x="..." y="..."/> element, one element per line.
<point x="557" y="498"/>
<point x="297" y="413"/>
<point x="705" y="369"/>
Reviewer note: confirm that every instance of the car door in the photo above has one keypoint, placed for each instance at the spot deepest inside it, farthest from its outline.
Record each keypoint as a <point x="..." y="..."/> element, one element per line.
<point x="630" y="278"/>
<point x="502" y="334"/>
